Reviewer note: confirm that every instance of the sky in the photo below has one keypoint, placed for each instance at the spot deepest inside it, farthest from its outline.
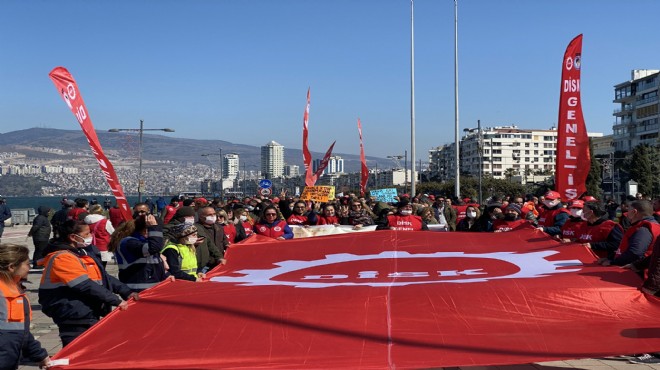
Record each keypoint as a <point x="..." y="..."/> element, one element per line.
<point x="239" y="70"/>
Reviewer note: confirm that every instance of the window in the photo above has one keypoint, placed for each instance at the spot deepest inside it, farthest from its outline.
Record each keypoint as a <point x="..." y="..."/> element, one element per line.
<point x="536" y="145"/>
<point x="497" y="159"/>
<point x="527" y="145"/>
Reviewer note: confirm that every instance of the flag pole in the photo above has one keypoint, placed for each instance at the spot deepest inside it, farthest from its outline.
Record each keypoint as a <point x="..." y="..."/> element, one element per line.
<point x="458" y="171"/>
<point x="412" y="99"/>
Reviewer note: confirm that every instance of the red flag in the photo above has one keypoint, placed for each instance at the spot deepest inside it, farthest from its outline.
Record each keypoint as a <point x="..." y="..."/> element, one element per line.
<point x="364" y="172"/>
<point x="68" y="88"/>
<point x="307" y="155"/>
<point x="383" y="299"/>
<point x="573" y="158"/>
<point x="323" y="164"/>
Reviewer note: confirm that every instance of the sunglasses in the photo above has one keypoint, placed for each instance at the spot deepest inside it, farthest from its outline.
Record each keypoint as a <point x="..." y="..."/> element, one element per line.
<point x="271" y="214"/>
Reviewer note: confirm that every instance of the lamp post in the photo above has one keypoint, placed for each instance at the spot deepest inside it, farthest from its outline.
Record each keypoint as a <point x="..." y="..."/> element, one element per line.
<point x="141" y="131"/>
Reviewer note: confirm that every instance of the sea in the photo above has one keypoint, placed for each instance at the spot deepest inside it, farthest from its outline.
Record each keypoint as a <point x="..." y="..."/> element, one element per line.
<point x="54" y="202"/>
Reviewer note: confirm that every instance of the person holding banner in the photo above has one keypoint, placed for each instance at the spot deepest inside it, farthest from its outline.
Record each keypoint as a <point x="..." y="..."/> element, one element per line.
<point x="301" y="216"/>
<point x="329" y="216"/>
<point x="269" y="225"/>
<point x="403" y="219"/>
<point x="554" y="216"/>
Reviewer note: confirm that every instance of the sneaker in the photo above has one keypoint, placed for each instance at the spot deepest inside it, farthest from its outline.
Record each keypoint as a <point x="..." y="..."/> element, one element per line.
<point x="646" y="358"/>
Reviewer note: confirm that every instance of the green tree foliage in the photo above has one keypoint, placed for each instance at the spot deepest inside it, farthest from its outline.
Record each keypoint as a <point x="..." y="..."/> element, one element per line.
<point x="594" y="178"/>
<point x="641" y="169"/>
<point x="470" y="187"/>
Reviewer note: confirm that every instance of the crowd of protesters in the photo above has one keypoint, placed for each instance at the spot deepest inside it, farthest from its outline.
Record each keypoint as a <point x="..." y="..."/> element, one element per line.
<point x="189" y="236"/>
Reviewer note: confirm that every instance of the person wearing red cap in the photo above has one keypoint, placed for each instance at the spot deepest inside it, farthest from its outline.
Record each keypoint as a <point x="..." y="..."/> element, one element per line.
<point x="599" y="232"/>
<point x="572" y="228"/>
<point x="589" y="198"/>
<point x="554" y="215"/>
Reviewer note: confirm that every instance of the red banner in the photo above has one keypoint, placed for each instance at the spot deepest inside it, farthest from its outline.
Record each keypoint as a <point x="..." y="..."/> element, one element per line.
<point x="323" y="164"/>
<point x="573" y="158"/>
<point x="307" y="155"/>
<point x="383" y="299"/>
<point x="364" y="171"/>
<point x="67" y="87"/>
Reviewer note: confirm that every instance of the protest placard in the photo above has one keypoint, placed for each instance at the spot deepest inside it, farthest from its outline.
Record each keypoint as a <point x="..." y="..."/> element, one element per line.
<point x="384" y="195"/>
<point x="318" y="193"/>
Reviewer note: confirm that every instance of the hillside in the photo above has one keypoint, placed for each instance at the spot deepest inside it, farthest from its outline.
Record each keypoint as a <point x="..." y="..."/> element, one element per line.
<point x="117" y="146"/>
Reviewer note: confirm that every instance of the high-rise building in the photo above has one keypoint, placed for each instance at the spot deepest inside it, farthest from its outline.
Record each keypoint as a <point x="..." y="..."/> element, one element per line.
<point x="291" y="170"/>
<point x="272" y="160"/>
<point x="230" y="165"/>
<point x="335" y="165"/>
<point x="636" y="119"/>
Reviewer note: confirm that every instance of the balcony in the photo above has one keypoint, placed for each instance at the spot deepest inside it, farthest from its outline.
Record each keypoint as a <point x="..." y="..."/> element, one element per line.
<point x="647" y="100"/>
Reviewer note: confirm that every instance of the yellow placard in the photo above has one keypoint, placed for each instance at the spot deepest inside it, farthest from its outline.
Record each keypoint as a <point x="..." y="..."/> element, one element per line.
<point x="318" y="193"/>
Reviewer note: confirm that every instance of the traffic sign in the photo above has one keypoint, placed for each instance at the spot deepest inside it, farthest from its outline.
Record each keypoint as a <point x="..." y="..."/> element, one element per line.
<point x="265" y="191"/>
<point x="265" y="183"/>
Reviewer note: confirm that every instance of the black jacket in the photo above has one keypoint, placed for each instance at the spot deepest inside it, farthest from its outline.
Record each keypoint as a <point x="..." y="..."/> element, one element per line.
<point x="40" y="225"/>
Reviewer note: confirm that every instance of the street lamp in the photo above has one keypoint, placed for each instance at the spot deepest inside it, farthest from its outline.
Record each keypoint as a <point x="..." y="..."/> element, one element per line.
<point x="141" y="131"/>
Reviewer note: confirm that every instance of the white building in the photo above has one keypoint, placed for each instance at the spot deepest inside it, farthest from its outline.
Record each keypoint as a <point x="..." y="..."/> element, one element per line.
<point x="335" y="165"/>
<point x="272" y="160"/>
<point x="291" y="170"/>
<point x="230" y="166"/>
<point x="636" y="119"/>
<point x="506" y="152"/>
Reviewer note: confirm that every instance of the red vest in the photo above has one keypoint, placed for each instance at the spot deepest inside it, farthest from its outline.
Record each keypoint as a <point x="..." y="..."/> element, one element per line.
<point x="572" y="229"/>
<point x="101" y="237"/>
<point x="248" y="228"/>
<point x="230" y="231"/>
<point x="297" y="220"/>
<point x="170" y="211"/>
<point x="273" y="232"/>
<point x="653" y="227"/>
<point x="547" y="218"/>
<point x="460" y="212"/>
<point x="597" y="233"/>
<point x="74" y="213"/>
<point x="328" y="220"/>
<point x="504" y="225"/>
<point x="409" y="223"/>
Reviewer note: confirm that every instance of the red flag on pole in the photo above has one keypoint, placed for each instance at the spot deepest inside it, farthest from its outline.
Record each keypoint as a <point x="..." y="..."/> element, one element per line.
<point x="68" y="88"/>
<point x="364" y="173"/>
<point x="307" y="156"/>
<point x="573" y="157"/>
<point x="323" y="165"/>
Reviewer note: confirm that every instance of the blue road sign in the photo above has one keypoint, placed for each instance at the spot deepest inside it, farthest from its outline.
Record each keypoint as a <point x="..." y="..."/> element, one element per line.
<point x="265" y="183"/>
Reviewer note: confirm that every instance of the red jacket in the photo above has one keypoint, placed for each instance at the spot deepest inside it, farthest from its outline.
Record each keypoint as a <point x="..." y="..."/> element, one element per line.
<point x="504" y="225"/>
<point x="399" y="222"/>
<point x="572" y="229"/>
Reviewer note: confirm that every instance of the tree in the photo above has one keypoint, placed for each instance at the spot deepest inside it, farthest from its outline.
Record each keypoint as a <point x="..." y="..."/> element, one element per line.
<point x="641" y="169"/>
<point x="594" y="178"/>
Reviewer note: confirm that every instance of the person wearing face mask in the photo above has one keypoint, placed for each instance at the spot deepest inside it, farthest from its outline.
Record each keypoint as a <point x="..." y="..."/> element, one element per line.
<point x="554" y="215"/>
<point x="640" y="236"/>
<point x="403" y="219"/>
<point x="243" y="221"/>
<point x="572" y="228"/>
<point x="208" y="255"/>
<point x="492" y="213"/>
<point x="207" y="227"/>
<point x="75" y="290"/>
<point x="511" y="219"/>
<point x="599" y="232"/>
<point x="180" y="253"/>
<point x="469" y="223"/>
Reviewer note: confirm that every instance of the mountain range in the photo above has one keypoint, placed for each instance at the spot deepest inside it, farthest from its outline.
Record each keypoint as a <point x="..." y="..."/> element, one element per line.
<point x="33" y="143"/>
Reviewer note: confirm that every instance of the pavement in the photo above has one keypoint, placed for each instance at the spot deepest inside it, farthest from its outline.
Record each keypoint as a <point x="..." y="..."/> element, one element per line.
<point x="45" y="330"/>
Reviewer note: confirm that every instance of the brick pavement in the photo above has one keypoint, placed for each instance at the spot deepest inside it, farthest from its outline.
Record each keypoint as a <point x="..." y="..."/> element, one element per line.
<point x="45" y="330"/>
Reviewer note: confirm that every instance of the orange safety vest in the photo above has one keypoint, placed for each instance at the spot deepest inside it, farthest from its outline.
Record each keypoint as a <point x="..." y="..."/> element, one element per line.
<point x="64" y="268"/>
<point x="14" y="307"/>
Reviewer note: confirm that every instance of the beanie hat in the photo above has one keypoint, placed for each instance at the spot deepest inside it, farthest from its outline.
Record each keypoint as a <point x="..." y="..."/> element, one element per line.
<point x="183" y="230"/>
<point x="184" y="212"/>
<point x="514" y="207"/>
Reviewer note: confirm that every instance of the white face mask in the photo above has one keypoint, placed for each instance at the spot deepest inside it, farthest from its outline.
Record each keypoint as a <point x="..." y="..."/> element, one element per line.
<point x="583" y="217"/>
<point x="189" y="220"/>
<point x="472" y="214"/>
<point x="243" y="218"/>
<point x="550" y="203"/>
<point x="210" y="220"/>
<point x="576" y="212"/>
<point x="85" y="241"/>
<point x="191" y="240"/>
<point x="406" y="212"/>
